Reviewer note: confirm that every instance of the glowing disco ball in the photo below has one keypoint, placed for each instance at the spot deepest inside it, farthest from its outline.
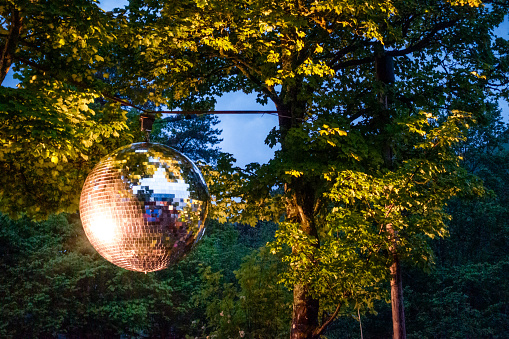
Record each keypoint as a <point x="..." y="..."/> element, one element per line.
<point x="144" y="206"/>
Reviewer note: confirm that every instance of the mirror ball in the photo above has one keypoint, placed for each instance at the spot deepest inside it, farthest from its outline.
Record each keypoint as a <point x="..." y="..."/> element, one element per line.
<point x="143" y="207"/>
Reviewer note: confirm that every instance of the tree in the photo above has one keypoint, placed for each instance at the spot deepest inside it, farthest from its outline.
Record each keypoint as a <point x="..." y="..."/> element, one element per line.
<point x="315" y="61"/>
<point x="76" y="76"/>
<point x="53" y="128"/>
<point x="342" y="128"/>
<point x="467" y="285"/>
<point x="54" y="282"/>
<point x="195" y="137"/>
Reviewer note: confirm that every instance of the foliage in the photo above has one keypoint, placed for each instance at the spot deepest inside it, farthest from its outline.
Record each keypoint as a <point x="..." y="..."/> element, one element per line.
<point x="353" y="141"/>
<point x="47" y="147"/>
<point x="51" y="263"/>
<point x="66" y="113"/>
<point x="55" y="283"/>
<point x="257" y="308"/>
<point x="463" y="295"/>
<point x="53" y="125"/>
<point x="468" y="300"/>
<point x="355" y="150"/>
<point x="195" y="137"/>
<point x="468" y="286"/>
<point x="350" y="264"/>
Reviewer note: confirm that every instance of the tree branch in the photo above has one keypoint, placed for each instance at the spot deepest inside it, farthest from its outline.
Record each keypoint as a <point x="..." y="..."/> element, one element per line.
<point x="319" y="330"/>
<point x="9" y="48"/>
<point x="244" y="69"/>
<point x="424" y="41"/>
<point x="395" y="53"/>
<point x="348" y="49"/>
<point x="354" y="62"/>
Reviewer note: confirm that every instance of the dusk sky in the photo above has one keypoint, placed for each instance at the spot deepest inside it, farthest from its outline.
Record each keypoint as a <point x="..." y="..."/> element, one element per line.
<point x="244" y="135"/>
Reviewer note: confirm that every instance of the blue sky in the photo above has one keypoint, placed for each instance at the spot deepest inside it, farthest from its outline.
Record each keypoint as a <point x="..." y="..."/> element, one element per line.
<point x="244" y="135"/>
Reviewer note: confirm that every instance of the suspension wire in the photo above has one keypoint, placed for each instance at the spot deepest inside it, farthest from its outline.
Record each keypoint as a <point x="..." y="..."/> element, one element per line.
<point x="191" y="113"/>
<point x="214" y="112"/>
<point x="197" y="112"/>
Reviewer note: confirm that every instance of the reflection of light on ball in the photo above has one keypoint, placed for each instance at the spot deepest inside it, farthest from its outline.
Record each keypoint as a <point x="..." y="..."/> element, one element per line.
<point x="144" y="206"/>
<point x="103" y="228"/>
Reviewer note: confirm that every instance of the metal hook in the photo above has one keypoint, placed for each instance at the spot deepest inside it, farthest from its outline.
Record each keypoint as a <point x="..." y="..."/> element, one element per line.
<point x="147" y="120"/>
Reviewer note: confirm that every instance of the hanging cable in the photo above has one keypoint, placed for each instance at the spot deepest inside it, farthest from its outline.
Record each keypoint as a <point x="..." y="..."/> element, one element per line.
<point x="197" y="112"/>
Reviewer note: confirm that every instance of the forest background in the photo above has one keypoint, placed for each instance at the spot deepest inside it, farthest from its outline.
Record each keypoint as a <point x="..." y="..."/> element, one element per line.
<point x="55" y="284"/>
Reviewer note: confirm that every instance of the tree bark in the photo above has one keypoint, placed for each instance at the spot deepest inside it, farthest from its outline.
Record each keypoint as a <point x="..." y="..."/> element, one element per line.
<point x="398" y="309"/>
<point x="305" y="313"/>
<point x="384" y="68"/>
<point x="299" y="209"/>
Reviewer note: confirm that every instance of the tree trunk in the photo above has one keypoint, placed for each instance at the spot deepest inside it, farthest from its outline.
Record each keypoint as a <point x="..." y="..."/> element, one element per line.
<point x="384" y="69"/>
<point x="299" y="209"/>
<point x="305" y="313"/>
<point x="398" y="309"/>
<point x="9" y="48"/>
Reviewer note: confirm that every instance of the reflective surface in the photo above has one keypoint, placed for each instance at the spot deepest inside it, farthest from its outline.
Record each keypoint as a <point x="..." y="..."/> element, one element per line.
<point x="144" y="206"/>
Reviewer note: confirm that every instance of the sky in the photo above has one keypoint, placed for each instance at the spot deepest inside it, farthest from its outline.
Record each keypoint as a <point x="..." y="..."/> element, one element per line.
<point x="244" y="135"/>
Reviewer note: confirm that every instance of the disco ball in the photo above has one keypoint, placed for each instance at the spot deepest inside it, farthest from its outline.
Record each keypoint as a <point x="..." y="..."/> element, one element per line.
<point x="144" y="206"/>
